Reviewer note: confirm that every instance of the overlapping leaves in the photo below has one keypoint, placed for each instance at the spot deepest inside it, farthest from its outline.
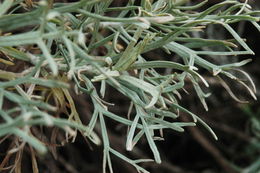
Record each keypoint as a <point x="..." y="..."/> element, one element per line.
<point x="68" y="38"/>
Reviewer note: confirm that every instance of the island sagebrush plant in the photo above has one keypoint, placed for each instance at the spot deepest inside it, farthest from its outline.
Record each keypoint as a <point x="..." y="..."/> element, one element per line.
<point x="50" y="50"/>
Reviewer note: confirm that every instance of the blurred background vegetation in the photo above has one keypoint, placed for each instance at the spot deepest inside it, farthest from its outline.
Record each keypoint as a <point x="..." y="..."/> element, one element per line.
<point x="195" y="151"/>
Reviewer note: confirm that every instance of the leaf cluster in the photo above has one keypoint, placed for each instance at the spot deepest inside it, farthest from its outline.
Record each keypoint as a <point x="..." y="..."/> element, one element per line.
<point x="61" y="44"/>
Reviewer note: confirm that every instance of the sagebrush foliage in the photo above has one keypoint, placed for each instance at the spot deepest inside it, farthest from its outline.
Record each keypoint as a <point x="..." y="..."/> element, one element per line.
<point x="72" y="47"/>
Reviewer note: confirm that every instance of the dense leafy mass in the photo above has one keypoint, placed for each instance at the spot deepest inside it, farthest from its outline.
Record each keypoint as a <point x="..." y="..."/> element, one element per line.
<point x="85" y="46"/>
